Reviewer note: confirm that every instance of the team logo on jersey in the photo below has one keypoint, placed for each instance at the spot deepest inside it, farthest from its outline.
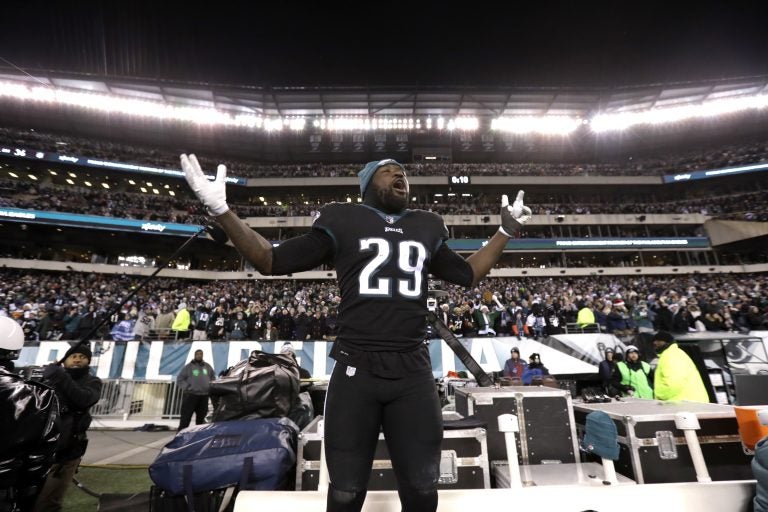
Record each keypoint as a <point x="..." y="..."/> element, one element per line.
<point x="390" y="219"/>
<point x="396" y="230"/>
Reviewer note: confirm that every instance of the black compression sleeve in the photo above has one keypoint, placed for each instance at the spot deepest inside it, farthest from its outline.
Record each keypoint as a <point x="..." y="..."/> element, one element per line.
<point x="303" y="252"/>
<point x="451" y="267"/>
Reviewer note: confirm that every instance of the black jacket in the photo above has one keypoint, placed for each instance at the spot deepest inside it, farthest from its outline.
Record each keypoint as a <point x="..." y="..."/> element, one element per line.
<point x="77" y="392"/>
<point x="29" y="413"/>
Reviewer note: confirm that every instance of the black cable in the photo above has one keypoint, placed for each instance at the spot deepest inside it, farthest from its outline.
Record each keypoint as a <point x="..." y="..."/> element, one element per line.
<point x="97" y="420"/>
<point x="83" y="488"/>
<point x="105" y="318"/>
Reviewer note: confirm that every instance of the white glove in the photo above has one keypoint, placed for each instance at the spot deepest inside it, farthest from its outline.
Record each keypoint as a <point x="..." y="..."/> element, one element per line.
<point x="513" y="217"/>
<point x="212" y="194"/>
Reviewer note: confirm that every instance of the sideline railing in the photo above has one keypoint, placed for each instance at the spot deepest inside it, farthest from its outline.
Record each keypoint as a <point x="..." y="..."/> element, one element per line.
<point x="127" y="398"/>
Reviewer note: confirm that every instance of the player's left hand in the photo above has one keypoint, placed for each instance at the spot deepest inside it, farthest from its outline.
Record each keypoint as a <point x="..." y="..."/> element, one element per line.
<point x="513" y="217"/>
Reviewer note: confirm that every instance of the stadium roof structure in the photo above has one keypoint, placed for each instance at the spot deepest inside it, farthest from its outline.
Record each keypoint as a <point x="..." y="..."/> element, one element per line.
<point x="417" y="101"/>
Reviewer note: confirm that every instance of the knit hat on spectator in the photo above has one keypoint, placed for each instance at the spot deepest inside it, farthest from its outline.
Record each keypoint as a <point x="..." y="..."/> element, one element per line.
<point x="631" y="348"/>
<point x="82" y="348"/>
<point x="366" y="174"/>
<point x="664" y="336"/>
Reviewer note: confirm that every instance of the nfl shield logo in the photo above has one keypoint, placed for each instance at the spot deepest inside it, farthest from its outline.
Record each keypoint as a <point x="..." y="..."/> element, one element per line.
<point x="389" y="219"/>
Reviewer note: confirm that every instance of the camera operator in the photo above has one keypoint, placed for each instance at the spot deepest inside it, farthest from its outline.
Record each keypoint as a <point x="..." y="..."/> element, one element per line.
<point x="77" y="390"/>
<point x="29" y="425"/>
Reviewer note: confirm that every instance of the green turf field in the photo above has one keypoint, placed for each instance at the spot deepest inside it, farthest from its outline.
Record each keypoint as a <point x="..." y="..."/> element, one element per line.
<point x="105" y="479"/>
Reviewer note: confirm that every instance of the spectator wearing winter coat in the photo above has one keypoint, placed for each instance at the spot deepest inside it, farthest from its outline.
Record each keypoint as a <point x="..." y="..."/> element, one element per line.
<point x="164" y="320"/>
<point x="633" y="376"/>
<point x="301" y="324"/>
<point x="606" y="369"/>
<point x="145" y="323"/>
<point x="182" y="321"/>
<point x="676" y="376"/>
<point x="515" y="366"/>
<point x="535" y="371"/>
<point x="195" y="381"/>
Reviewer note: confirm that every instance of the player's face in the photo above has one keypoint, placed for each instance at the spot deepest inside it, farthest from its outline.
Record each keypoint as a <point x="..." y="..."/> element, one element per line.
<point x="391" y="187"/>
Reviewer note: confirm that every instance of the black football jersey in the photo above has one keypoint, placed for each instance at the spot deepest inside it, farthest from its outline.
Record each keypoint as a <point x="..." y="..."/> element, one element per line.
<point x="382" y="263"/>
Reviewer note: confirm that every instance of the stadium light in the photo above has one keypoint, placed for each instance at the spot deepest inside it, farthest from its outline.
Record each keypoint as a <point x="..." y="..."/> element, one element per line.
<point x="13" y="174"/>
<point x="466" y="123"/>
<point x="664" y="115"/>
<point x="545" y="125"/>
<point x="32" y="177"/>
<point x="69" y="180"/>
<point x="113" y="103"/>
<point x="389" y="123"/>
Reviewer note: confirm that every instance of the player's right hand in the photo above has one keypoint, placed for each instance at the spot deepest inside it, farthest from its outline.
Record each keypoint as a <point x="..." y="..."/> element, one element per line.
<point x="212" y="194"/>
<point x="513" y="216"/>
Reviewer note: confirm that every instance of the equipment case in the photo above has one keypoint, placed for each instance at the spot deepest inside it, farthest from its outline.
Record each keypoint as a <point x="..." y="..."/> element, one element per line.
<point x="545" y="415"/>
<point x="653" y="451"/>
<point x="463" y="465"/>
<point x="586" y="473"/>
<point x="206" y="501"/>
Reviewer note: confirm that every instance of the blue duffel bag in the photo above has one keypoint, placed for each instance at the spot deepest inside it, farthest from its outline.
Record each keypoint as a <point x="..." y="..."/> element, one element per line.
<point x="249" y="454"/>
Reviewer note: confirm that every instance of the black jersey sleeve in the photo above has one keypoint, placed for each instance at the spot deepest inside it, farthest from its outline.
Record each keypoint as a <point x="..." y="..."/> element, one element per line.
<point x="303" y="252"/>
<point x="451" y="267"/>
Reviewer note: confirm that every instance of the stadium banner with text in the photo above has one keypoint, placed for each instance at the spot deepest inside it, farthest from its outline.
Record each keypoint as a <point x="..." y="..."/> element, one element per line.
<point x="469" y="244"/>
<point x="564" y="244"/>
<point x="96" y="222"/>
<point x="163" y="360"/>
<point x="714" y="173"/>
<point x="31" y="154"/>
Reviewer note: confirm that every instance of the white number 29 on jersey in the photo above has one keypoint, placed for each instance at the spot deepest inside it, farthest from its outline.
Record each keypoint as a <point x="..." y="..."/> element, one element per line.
<point x="410" y="259"/>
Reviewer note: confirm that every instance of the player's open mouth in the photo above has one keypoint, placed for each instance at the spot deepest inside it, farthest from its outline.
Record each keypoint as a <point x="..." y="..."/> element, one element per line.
<point x="399" y="186"/>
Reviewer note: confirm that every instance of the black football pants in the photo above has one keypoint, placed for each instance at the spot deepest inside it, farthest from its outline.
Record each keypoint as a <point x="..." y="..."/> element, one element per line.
<point x="408" y="409"/>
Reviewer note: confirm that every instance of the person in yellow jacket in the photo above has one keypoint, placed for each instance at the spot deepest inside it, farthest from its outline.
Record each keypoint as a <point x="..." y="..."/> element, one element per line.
<point x="676" y="376"/>
<point x="585" y="316"/>
<point x="633" y="375"/>
<point x="182" y="321"/>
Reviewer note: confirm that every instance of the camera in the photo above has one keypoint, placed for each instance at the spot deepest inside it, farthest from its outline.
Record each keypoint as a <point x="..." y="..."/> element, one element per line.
<point x="433" y="292"/>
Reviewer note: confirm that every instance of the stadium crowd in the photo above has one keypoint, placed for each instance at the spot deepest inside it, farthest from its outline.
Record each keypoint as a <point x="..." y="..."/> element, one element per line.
<point x="29" y="194"/>
<point x="51" y="305"/>
<point x="677" y="161"/>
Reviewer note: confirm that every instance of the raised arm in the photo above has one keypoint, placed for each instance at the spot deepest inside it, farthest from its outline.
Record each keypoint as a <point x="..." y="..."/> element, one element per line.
<point x="254" y="247"/>
<point x="512" y="218"/>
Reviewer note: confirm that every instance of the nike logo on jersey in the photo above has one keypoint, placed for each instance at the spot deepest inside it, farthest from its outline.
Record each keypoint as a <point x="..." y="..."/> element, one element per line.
<point x="396" y="230"/>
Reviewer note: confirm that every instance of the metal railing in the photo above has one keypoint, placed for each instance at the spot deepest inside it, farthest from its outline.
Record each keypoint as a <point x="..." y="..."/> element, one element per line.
<point x="573" y="328"/>
<point x="125" y="398"/>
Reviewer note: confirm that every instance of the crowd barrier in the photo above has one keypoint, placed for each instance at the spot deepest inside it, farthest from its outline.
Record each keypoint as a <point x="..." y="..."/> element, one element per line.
<point x="162" y="360"/>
